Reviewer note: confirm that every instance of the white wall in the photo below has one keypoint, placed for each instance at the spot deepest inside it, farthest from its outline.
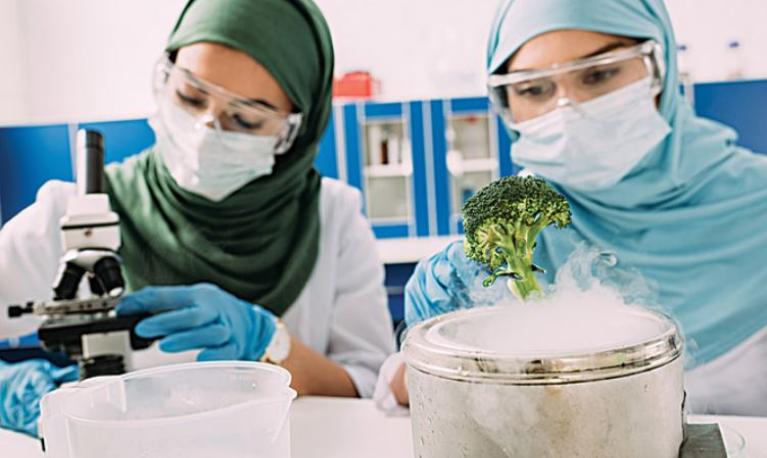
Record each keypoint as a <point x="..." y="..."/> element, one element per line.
<point x="419" y="49"/>
<point x="90" y="59"/>
<point x="68" y="60"/>
<point x="13" y="100"/>
<point x="707" y="26"/>
<point x="93" y="56"/>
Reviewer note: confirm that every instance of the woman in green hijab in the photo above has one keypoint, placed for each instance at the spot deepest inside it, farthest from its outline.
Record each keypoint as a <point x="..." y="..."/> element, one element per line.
<point x="230" y="237"/>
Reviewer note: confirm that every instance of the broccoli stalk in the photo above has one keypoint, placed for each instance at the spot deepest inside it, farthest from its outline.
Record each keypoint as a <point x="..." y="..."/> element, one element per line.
<point x="502" y="222"/>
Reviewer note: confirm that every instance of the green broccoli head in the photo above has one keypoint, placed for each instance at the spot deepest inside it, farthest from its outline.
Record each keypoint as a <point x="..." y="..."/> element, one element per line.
<point x="502" y="222"/>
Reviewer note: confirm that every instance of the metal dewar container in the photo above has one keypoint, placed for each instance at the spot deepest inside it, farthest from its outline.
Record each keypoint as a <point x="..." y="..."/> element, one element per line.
<point x="516" y="381"/>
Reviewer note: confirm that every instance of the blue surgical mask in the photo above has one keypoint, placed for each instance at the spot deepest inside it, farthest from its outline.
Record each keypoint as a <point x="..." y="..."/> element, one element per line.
<point x="592" y="145"/>
<point x="210" y="162"/>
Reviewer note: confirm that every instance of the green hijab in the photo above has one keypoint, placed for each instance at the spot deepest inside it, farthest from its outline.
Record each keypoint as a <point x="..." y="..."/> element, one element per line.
<point x="261" y="242"/>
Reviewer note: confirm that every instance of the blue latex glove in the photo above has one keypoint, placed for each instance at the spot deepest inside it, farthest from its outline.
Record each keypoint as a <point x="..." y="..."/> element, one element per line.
<point x="202" y="316"/>
<point x="449" y="281"/>
<point x="22" y="385"/>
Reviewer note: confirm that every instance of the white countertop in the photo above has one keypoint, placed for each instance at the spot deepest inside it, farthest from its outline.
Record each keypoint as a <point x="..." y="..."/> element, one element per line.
<point x="411" y="250"/>
<point x="353" y="428"/>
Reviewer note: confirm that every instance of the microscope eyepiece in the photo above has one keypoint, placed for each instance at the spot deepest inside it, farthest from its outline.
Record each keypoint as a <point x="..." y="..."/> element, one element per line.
<point x="90" y="161"/>
<point x="90" y="139"/>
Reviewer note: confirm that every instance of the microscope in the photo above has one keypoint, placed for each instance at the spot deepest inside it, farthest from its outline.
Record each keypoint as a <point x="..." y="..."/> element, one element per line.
<point x="87" y="329"/>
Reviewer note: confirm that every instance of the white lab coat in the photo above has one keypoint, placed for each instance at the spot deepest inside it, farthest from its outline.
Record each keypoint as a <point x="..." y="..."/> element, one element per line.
<point x="341" y="313"/>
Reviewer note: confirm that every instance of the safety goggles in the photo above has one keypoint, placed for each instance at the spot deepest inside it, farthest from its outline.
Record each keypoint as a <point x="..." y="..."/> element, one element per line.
<point x="214" y="106"/>
<point x="528" y="94"/>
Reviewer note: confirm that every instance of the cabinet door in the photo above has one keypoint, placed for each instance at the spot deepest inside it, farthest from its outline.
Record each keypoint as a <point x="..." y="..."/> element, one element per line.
<point x="467" y="151"/>
<point x="383" y="145"/>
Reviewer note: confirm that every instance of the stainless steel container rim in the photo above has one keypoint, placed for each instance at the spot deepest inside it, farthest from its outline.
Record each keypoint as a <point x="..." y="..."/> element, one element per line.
<point x="473" y="365"/>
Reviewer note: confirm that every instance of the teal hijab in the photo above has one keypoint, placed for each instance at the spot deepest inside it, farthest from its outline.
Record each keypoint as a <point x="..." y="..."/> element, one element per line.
<point x="691" y="218"/>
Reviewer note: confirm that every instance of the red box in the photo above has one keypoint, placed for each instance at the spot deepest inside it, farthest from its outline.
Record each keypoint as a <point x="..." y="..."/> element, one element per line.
<point x="358" y="85"/>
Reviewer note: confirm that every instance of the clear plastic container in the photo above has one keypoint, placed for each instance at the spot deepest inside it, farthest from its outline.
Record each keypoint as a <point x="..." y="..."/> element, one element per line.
<point x="734" y="443"/>
<point x="221" y="409"/>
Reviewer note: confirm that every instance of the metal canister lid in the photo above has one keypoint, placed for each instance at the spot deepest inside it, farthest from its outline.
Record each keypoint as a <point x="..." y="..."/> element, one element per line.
<point x="526" y="345"/>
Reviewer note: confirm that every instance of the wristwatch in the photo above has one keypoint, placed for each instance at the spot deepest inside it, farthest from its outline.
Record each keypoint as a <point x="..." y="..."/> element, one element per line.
<point x="279" y="348"/>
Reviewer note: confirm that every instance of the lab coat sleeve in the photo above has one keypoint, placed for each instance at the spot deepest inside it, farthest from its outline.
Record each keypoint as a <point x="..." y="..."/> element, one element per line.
<point x="361" y="332"/>
<point x="383" y="395"/>
<point x="30" y="251"/>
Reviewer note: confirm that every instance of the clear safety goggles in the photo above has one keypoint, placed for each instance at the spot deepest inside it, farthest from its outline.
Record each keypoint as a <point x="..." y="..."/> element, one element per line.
<point x="528" y="94"/>
<point x="214" y="106"/>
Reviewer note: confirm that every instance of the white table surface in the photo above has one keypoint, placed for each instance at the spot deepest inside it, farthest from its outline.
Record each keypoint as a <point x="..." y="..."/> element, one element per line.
<point x="353" y="428"/>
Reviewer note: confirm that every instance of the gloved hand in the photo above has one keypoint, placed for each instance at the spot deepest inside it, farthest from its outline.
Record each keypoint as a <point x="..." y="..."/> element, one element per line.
<point x="202" y="316"/>
<point x="449" y="281"/>
<point x="22" y="385"/>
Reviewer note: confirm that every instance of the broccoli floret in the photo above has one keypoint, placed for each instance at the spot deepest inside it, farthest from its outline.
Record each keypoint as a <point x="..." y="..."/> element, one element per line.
<point x="502" y="222"/>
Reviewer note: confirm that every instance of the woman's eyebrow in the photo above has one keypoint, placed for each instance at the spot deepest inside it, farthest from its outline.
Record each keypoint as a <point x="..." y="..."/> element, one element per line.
<point x="606" y="48"/>
<point x="256" y="101"/>
<point x="263" y="102"/>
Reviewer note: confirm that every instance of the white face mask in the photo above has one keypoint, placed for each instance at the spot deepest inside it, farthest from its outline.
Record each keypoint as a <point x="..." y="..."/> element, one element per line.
<point x="595" y="144"/>
<point x="210" y="162"/>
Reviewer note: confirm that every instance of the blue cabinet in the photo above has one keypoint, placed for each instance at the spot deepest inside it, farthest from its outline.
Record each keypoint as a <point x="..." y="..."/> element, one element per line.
<point x="416" y="162"/>
<point x="383" y="152"/>
<point x="32" y="155"/>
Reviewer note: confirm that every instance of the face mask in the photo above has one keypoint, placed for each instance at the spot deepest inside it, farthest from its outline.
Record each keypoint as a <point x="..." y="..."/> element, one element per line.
<point x="210" y="162"/>
<point x="595" y="144"/>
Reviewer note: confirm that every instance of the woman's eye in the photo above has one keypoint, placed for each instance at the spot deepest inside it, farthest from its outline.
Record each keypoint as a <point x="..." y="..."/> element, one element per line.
<point x="247" y="124"/>
<point x="599" y="76"/>
<point x="194" y="102"/>
<point x="532" y="90"/>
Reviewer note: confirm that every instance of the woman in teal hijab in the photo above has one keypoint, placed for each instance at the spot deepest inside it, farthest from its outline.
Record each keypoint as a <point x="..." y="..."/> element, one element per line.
<point x="230" y="238"/>
<point x="657" y="189"/>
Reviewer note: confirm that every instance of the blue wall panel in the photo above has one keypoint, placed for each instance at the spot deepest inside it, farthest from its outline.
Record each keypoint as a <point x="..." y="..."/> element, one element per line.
<point x="396" y="277"/>
<point x="126" y="138"/>
<point x="420" y="193"/>
<point x="30" y="156"/>
<point x="741" y="105"/>
<point x="123" y="138"/>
